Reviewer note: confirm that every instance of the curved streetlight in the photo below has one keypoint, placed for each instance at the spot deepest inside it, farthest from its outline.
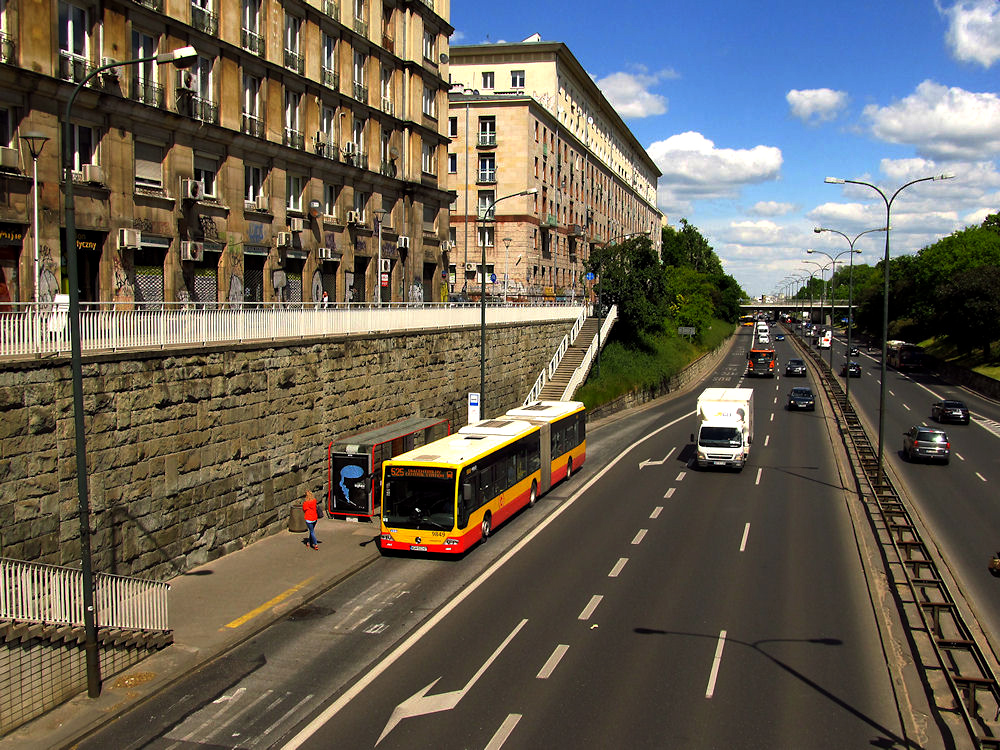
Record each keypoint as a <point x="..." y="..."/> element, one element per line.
<point x="488" y="214"/>
<point x="833" y="272"/>
<point x="182" y="58"/>
<point x="850" y="288"/>
<point x="821" y="268"/>
<point x="885" y="297"/>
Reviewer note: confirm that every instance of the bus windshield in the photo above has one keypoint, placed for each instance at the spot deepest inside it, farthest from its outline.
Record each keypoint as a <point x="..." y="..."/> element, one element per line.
<point x="419" y="498"/>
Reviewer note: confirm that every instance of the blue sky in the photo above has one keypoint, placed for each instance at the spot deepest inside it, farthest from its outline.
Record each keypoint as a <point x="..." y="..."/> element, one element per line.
<point x="747" y="107"/>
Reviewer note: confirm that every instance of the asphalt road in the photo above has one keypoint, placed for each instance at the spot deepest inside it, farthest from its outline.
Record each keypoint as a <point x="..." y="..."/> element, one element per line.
<point x="959" y="502"/>
<point x="641" y="603"/>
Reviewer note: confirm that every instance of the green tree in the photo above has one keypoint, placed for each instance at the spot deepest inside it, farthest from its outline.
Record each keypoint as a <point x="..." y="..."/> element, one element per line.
<point x="970" y="304"/>
<point x="632" y="278"/>
<point x="685" y="247"/>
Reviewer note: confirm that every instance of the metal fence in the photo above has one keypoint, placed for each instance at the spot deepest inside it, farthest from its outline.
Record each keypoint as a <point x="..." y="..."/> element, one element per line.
<point x="37" y="592"/>
<point x="31" y="330"/>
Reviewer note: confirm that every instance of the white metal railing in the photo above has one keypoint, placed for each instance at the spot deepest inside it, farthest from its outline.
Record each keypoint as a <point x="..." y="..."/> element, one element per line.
<point x="581" y="372"/>
<point x="37" y="592"/>
<point x="546" y="374"/>
<point x="29" y="330"/>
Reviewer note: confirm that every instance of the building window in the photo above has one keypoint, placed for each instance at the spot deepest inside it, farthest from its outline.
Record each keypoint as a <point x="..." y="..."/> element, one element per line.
<point x="430" y="108"/>
<point x="360" y="202"/>
<point x="429" y="44"/>
<point x="293" y="56"/>
<point x="427" y="158"/>
<point x="293" y="134"/>
<point x="488" y="130"/>
<point x="84" y="146"/>
<point x="486" y="235"/>
<point x="293" y="186"/>
<point x="487" y="168"/>
<point x="487" y="79"/>
<point x="330" y="194"/>
<point x="486" y="198"/>
<point x="252" y="40"/>
<point x="205" y="171"/>
<point x="452" y="163"/>
<point x="148" y="166"/>
<point x="517" y="79"/>
<point x="453" y="127"/>
<point x="144" y="88"/>
<point x="74" y="31"/>
<point x="253" y="182"/>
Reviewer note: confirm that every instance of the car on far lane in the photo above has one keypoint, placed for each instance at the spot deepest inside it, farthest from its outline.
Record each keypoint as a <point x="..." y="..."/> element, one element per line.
<point x="801" y="397"/>
<point x="950" y="410"/>
<point x="926" y="443"/>
<point x="853" y="352"/>
<point x="795" y="367"/>
<point x="851" y="369"/>
<point x="779" y="337"/>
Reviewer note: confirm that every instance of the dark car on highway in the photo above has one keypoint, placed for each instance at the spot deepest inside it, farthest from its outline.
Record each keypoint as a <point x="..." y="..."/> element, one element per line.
<point x="801" y="397"/>
<point x="851" y="369"/>
<point x="853" y="352"/>
<point x="779" y="337"/>
<point x="795" y="367"/>
<point x="926" y="443"/>
<point x="950" y="410"/>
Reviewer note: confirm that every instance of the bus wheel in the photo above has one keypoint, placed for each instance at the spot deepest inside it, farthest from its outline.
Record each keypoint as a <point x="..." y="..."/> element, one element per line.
<point x="485" y="529"/>
<point x="569" y="468"/>
<point x="533" y="497"/>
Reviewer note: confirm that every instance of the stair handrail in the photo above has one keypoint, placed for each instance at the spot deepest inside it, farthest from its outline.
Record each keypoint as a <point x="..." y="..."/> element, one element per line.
<point x="583" y="369"/>
<point x="553" y="365"/>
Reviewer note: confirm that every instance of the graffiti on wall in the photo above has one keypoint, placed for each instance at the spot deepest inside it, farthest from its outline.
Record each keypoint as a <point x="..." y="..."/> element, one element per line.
<point x="416" y="291"/>
<point x="48" y="274"/>
<point x="124" y="276"/>
<point x="236" y="286"/>
<point x="317" y="285"/>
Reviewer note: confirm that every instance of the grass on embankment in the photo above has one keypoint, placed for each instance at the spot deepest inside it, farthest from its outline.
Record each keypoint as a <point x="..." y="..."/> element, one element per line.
<point x="975" y="361"/>
<point x="627" y="365"/>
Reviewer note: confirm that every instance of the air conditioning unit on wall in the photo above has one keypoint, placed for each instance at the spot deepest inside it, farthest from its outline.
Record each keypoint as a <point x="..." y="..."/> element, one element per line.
<point x="470" y="267"/>
<point x="296" y="225"/>
<point x="193" y="251"/>
<point x="192" y="189"/>
<point x="283" y="239"/>
<point x="354" y="217"/>
<point x="403" y="243"/>
<point x="129" y="238"/>
<point x="93" y="173"/>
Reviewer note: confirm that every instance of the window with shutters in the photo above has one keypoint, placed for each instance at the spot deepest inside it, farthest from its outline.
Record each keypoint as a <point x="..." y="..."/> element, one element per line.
<point x="148" y="166"/>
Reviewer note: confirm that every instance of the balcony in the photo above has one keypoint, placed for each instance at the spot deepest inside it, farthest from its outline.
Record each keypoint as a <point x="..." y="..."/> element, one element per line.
<point x="6" y="48"/>
<point x="388" y="43"/>
<point x="204" y="20"/>
<point x="295" y="139"/>
<point x="428" y="3"/>
<point x="253" y="125"/>
<point x="204" y="110"/>
<point x="73" y="68"/>
<point x="331" y="9"/>
<point x="295" y="61"/>
<point x="387" y="106"/>
<point x="147" y="92"/>
<point x="361" y="92"/>
<point x="252" y="42"/>
<point x="549" y="220"/>
<point x="361" y="26"/>
<point x="487" y="140"/>
<point x="357" y="159"/>
<point x="156" y="5"/>
<point x="486" y="177"/>
<point x="331" y="78"/>
<point x="388" y="168"/>
<point x="576" y="230"/>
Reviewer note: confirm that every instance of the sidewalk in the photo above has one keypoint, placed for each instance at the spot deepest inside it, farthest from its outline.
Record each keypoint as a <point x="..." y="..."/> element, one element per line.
<point x="214" y="608"/>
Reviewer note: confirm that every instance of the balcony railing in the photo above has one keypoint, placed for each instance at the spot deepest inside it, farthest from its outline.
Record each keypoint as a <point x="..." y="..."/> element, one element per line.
<point x="253" y="125"/>
<point x="487" y="176"/>
<point x="204" y="110"/>
<point x="156" y="5"/>
<point x="361" y="26"/>
<point x="73" y="68"/>
<point x="147" y="92"/>
<point x="295" y="139"/>
<point x="388" y="168"/>
<point x="6" y="47"/>
<point x="387" y="106"/>
<point x="204" y="20"/>
<point x="360" y="92"/>
<point x="35" y="592"/>
<point x="331" y="78"/>
<point x="295" y="61"/>
<point x="29" y="330"/>
<point x="252" y="42"/>
<point x="487" y="139"/>
<point x="356" y="159"/>
<point x="331" y="9"/>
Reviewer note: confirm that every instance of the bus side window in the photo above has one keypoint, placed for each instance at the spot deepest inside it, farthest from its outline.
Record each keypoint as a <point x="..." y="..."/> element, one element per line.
<point x="465" y="503"/>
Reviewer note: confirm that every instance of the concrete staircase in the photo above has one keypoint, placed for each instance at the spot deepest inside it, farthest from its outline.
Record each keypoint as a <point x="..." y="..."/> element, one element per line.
<point x="555" y="388"/>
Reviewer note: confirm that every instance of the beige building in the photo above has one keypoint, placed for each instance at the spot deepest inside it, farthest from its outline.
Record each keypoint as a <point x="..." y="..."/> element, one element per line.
<point x="527" y="115"/>
<point x="257" y="174"/>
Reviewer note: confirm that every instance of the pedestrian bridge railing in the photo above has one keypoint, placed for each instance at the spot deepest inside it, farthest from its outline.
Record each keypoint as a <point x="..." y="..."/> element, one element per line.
<point x="29" y="330"/>
<point x="53" y="594"/>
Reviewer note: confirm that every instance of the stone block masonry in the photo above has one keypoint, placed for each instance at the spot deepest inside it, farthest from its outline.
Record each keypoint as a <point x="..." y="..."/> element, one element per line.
<point x="196" y="453"/>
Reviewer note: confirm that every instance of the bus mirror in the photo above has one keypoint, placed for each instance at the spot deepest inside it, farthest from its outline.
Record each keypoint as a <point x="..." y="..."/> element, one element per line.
<point x="692" y="437"/>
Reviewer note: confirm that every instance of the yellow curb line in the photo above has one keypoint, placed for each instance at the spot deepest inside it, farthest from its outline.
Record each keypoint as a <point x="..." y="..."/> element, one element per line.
<point x="267" y="605"/>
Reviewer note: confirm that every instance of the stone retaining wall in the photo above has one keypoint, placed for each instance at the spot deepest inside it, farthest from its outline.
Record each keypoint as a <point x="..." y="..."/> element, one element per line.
<point x="196" y="453"/>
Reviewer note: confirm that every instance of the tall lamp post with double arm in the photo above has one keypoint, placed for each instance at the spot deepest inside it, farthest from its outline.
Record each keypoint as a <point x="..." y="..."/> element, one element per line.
<point x="821" y="269"/>
<point x="181" y="58"/>
<point x="885" y="296"/>
<point x="833" y="271"/>
<point x="850" y="288"/>
<point x="488" y="215"/>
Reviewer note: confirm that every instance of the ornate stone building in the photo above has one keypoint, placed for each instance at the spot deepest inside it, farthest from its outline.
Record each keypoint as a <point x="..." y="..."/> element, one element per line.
<point x="258" y="174"/>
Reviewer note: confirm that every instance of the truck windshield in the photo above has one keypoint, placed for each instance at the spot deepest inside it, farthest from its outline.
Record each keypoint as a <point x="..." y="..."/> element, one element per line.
<point x="720" y="437"/>
<point x="419" y="502"/>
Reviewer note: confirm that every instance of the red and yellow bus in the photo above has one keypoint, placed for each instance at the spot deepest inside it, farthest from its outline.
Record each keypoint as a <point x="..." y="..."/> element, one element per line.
<point x="450" y="494"/>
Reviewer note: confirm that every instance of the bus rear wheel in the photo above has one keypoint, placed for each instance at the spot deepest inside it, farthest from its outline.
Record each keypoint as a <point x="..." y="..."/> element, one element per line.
<point x="533" y="497"/>
<point x="569" y="468"/>
<point x="485" y="527"/>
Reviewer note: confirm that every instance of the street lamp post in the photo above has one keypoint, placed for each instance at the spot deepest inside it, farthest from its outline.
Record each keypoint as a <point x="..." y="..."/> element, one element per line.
<point x="35" y="142"/>
<point x="182" y="58"/>
<point x="482" y="301"/>
<point x="821" y="267"/>
<point x="506" y="262"/>
<point x="833" y="261"/>
<point x="885" y="298"/>
<point x="850" y="288"/>
<point x="379" y="216"/>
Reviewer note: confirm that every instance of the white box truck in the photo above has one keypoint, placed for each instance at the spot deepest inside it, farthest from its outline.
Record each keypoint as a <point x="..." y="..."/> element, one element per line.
<point x="725" y="427"/>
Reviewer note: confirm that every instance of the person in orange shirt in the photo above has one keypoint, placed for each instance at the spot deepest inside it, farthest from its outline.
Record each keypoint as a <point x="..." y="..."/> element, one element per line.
<point x="310" y="510"/>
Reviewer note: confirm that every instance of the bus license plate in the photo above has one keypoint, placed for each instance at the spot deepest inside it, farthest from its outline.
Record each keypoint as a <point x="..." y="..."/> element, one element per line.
<point x="417" y="548"/>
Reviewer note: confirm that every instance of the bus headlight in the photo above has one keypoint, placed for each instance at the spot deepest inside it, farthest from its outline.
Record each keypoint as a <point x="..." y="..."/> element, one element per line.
<point x="450" y="542"/>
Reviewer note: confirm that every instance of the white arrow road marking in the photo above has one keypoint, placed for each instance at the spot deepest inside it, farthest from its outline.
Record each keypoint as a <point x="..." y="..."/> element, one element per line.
<point x="420" y="703"/>
<point x="651" y="462"/>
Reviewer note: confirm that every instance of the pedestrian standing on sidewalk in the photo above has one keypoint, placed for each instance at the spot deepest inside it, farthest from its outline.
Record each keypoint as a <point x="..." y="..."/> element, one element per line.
<point x="311" y="511"/>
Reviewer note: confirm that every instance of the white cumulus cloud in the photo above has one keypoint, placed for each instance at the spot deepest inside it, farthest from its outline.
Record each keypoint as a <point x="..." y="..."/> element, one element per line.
<point x="771" y="208"/>
<point x="814" y="106"/>
<point x="630" y="95"/>
<point x="973" y="30"/>
<point x="942" y="123"/>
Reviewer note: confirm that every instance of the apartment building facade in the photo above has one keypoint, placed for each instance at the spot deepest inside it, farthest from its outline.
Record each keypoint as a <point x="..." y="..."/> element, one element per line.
<point x="303" y="146"/>
<point x="527" y="115"/>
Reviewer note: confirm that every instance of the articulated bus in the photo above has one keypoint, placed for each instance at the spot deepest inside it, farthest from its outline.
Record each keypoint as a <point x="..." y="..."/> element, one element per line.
<point x="448" y="495"/>
<point x="746" y="320"/>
